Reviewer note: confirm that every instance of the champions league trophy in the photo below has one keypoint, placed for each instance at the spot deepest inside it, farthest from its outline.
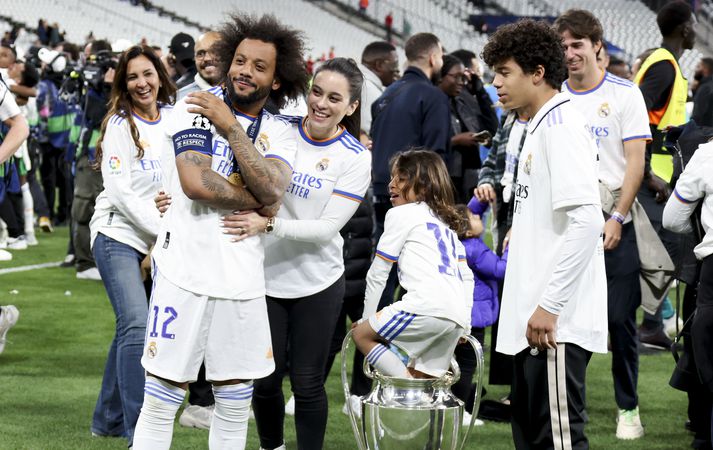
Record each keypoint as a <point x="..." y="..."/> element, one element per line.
<point x="411" y="413"/>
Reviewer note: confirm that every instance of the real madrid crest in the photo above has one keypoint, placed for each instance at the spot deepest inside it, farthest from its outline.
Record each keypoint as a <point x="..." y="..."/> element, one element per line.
<point x="152" y="350"/>
<point x="528" y="164"/>
<point x="262" y="143"/>
<point x="604" y="109"/>
<point x="322" y="164"/>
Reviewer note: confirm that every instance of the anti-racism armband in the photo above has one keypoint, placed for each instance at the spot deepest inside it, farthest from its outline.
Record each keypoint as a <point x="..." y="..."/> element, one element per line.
<point x="194" y="139"/>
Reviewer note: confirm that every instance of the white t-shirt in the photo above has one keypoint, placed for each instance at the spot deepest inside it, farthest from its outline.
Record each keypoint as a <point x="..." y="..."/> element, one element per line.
<point x="8" y="106"/>
<point x="557" y="171"/>
<point x="512" y="153"/>
<point x="191" y="249"/>
<point x="329" y="181"/>
<point x="430" y="260"/>
<point x="694" y="185"/>
<point x="616" y="113"/>
<point x="125" y="210"/>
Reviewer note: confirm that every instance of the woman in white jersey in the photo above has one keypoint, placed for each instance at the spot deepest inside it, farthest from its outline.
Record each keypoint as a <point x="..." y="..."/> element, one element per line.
<point x="421" y="234"/>
<point x="130" y="151"/>
<point x="304" y="266"/>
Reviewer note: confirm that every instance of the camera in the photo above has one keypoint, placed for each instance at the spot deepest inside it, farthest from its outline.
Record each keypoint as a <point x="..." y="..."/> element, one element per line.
<point x="90" y="75"/>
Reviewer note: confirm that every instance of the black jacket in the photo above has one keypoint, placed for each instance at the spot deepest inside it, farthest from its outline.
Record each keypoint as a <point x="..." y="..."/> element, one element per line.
<point x="358" y="249"/>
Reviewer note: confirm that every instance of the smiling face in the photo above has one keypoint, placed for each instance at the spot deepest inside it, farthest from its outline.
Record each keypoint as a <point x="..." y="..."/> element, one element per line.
<point x="142" y="84"/>
<point x="400" y="189"/>
<point x="452" y="83"/>
<point x="580" y="54"/>
<point x="328" y="103"/>
<point x="206" y="60"/>
<point x="251" y="76"/>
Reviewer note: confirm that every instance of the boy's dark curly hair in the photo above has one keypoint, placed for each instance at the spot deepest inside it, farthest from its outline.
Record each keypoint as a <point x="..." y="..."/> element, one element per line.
<point x="530" y="44"/>
<point x="290" y="68"/>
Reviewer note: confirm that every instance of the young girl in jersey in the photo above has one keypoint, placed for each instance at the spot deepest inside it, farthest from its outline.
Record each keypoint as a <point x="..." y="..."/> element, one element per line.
<point x="420" y="233"/>
<point x="125" y="223"/>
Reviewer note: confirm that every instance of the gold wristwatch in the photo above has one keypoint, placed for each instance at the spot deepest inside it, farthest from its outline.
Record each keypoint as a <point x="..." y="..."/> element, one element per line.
<point x="270" y="225"/>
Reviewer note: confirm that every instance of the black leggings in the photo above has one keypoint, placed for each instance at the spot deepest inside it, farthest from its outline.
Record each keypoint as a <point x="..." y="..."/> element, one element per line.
<point x="302" y="330"/>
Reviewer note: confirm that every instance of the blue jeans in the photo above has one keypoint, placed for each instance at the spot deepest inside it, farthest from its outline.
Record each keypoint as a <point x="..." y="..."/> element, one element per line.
<point x="122" y="391"/>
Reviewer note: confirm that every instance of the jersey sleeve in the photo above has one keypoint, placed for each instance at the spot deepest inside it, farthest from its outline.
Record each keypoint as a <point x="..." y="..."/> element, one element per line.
<point x="118" y="153"/>
<point x="282" y="144"/>
<point x="690" y="189"/>
<point x="635" y="118"/>
<point x="8" y="106"/>
<point x="189" y="131"/>
<point x="355" y="181"/>
<point x="572" y="158"/>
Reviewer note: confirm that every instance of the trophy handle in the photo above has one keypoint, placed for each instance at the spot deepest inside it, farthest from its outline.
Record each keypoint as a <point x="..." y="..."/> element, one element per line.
<point x="361" y="441"/>
<point x="479" y="386"/>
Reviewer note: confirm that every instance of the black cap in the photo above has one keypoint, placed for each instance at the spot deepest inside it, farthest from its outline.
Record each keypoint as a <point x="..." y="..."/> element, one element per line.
<point x="182" y="47"/>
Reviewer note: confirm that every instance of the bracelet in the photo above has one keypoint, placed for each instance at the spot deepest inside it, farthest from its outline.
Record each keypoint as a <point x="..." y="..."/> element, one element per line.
<point x="616" y="215"/>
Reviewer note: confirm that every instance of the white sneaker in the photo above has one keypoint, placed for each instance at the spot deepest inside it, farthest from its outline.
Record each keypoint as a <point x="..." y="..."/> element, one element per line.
<point x="90" y="274"/>
<point x="467" y="417"/>
<point x="31" y="239"/>
<point x="669" y="325"/>
<point x="282" y="447"/>
<point x="355" y="403"/>
<point x="290" y="406"/>
<point x="8" y="319"/>
<point x="628" y="424"/>
<point x="5" y="255"/>
<point x="194" y="416"/>
<point x="18" y="243"/>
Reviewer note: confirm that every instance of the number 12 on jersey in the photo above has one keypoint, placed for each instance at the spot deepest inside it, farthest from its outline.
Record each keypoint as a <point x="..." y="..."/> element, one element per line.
<point x="445" y="239"/>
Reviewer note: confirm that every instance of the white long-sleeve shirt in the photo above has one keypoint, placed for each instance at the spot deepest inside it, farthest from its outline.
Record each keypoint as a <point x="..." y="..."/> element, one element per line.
<point x="125" y="209"/>
<point x="694" y="185"/>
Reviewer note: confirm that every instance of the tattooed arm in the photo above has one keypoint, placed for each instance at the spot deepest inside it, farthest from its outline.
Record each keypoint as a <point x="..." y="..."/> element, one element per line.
<point x="203" y="184"/>
<point x="266" y="178"/>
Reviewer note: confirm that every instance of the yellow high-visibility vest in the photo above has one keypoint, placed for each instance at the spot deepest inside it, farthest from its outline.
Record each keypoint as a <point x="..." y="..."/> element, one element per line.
<point x="672" y="114"/>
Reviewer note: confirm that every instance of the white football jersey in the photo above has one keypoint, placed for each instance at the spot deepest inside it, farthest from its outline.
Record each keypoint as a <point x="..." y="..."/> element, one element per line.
<point x="191" y="249"/>
<point x="616" y="113"/>
<point x="557" y="170"/>
<point x="334" y="171"/>
<point x="125" y="210"/>
<point x="428" y="254"/>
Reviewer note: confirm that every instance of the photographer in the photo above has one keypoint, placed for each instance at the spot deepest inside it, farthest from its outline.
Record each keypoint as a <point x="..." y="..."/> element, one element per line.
<point x="95" y="79"/>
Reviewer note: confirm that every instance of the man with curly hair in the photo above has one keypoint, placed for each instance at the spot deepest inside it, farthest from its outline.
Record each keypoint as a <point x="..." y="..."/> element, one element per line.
<point x="208" y="299"/>
<point x="553" y="312"/>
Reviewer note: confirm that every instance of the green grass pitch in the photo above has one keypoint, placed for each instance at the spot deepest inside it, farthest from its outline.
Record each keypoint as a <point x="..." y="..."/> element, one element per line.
<point x="51" y="371"/>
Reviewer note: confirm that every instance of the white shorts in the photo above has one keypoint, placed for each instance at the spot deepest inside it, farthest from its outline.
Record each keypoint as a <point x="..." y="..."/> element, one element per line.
<point x="185" y="329"/>
<point x="428" y="341"/>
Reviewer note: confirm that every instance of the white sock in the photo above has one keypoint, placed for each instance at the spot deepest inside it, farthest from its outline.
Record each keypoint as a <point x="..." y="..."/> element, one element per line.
<point x="28" y="209"/>
<point x="154" y="429"/>
<point x="387" y="362"/>
<point x="229" y="428"/>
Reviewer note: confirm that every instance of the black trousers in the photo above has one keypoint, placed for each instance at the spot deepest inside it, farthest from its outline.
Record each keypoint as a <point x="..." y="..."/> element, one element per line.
<point x="302" y="330"/>
<point x="548" y="398"/>
<point x="624" y="297"/>
<point x="54" y="177"/>
<point x="353" y="308"/>
<point x="466" y="359"/>
<point x="702" y="327"/>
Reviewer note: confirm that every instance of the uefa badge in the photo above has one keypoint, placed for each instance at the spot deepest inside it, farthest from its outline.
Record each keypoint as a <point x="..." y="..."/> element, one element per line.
<point x="263" y="143"/>
<point x="604" y="110"/>
<point x="201" y="122"/>
<point x="527" y="167"/>
<point x="322" y="164"/>
<point x="152" y="350"/>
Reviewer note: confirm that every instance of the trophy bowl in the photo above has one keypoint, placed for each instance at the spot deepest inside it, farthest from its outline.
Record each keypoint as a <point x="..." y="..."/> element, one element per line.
<point x="411" y="413"/>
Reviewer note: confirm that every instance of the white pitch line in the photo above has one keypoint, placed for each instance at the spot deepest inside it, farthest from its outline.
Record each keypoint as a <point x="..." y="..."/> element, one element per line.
<point x="30" y="267"/>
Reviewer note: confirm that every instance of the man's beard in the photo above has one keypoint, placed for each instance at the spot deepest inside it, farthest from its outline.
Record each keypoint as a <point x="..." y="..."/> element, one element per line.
<point x="259" y="94"/>
<point x="215" y="79"/>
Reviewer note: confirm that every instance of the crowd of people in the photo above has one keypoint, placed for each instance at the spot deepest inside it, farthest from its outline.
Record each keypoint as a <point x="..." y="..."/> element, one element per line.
<point x="239" y="202"/>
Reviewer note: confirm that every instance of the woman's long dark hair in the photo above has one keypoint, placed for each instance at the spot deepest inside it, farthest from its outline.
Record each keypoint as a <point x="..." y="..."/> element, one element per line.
<point x="120" y="101"/>
<point x="348" y="68"/>
<point x="427" y="176"/>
